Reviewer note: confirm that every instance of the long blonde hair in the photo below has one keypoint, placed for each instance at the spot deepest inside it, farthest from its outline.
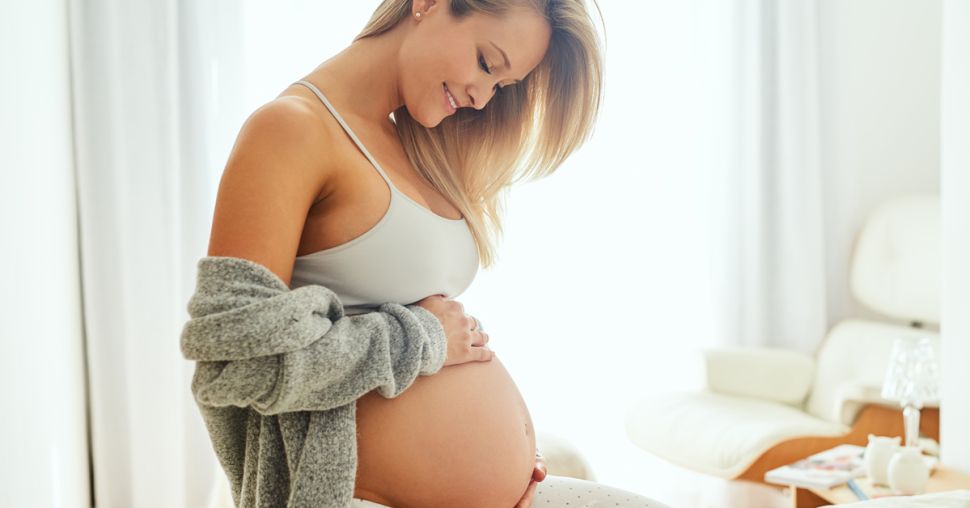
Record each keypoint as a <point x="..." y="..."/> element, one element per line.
<point x="526" y="131"/>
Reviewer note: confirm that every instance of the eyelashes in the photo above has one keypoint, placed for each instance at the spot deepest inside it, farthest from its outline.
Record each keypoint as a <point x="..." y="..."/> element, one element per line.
<point x="484" y="66"/>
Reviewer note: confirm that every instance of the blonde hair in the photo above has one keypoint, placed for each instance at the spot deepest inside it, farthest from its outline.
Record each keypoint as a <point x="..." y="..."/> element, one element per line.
<point x="526" y="131"/>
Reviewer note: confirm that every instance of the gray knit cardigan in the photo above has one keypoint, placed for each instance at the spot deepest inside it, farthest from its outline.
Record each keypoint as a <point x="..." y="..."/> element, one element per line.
<point x="278" y="372"/>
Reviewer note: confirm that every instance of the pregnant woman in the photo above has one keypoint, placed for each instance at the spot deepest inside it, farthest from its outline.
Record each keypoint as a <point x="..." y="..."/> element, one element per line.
<point x="378" y="175"/>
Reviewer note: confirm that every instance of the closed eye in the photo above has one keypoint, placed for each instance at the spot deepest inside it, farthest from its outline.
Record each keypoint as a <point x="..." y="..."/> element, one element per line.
<point x="484" y="65"/>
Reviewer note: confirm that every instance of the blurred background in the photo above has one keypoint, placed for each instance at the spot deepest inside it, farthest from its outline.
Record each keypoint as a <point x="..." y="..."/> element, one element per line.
<point x="740" y="146"/>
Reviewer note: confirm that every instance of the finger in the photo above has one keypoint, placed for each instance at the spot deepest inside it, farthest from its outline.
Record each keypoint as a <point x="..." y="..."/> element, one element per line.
<point x="482" y="354"/>
<point x="540" y="471"/>
<point x="479" y="339"/>
<point x="530" y="493"/>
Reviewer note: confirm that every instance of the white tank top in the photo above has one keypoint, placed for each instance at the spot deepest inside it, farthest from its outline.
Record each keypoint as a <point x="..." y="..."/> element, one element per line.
<point x="411" y="252"/>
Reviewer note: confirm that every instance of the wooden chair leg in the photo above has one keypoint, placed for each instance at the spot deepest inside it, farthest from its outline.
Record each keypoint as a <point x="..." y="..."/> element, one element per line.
<point x="804" y="498"/>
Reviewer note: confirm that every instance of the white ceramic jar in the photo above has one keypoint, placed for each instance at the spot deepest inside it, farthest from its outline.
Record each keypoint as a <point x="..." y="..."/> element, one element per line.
<point x="908" y="473"/>
<point x="879" y="452"/>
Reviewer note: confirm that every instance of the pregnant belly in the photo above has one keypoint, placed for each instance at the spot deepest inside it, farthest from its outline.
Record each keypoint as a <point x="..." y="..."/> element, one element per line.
<point x="460" y="437"/>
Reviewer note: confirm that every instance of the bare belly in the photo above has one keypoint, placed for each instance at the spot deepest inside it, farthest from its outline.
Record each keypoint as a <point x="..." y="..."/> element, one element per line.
<point x="460" y="437"/>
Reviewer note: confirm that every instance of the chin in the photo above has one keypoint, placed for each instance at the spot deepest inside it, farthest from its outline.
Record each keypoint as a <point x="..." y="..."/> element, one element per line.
<point x="424" y="122"/>
<point x="433" y="125"/>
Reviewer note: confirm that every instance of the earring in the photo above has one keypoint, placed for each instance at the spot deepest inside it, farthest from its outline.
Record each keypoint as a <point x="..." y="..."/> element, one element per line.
<point x="417" y="15"/>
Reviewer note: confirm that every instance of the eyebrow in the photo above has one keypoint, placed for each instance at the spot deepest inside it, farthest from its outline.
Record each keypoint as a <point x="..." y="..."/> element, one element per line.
<point x="508" y="65"/>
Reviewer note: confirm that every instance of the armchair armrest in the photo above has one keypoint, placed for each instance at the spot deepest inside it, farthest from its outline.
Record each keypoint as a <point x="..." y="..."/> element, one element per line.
<point x="763" y="373"/>
<point x="851" y="397"/>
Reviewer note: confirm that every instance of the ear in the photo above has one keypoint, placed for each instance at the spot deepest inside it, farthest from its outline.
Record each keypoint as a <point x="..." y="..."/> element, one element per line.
<point x="422" y="6"/>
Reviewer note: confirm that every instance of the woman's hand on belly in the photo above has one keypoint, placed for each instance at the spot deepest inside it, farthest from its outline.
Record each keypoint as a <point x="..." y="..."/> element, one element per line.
<point x="465" y="343"/>
<point x="538" y="474"/>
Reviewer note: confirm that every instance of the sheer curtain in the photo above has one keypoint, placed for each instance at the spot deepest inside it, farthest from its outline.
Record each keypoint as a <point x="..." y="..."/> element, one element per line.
<point x="147" y="111"/>
<point x="43" y="432"/>
<point x="690" y="219"/>
<point x="767" y="203"/>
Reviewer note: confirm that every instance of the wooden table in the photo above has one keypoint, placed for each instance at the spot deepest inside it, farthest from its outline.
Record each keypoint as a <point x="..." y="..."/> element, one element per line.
<point x="942" y="479"/>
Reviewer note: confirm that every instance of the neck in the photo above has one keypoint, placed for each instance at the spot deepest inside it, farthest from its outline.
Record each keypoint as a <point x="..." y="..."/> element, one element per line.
<point x="363" y="78"/>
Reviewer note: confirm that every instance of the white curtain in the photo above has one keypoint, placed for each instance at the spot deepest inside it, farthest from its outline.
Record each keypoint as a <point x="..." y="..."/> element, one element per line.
<point x="767" y="203"/>
<point x="146" y="101"/>
<point x="43" y="432"/>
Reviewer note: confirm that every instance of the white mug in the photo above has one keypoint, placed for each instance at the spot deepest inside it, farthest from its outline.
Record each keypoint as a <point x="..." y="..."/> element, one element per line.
<point x="879" y="452"/>
<point x="908" y="473"/>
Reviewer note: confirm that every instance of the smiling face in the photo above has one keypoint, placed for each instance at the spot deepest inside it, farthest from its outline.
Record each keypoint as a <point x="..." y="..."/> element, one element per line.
<point x="471" y="57"/>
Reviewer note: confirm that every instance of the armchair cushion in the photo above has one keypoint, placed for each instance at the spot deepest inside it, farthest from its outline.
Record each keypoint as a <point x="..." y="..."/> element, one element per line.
<point x="718" y="434"/>
<point x="762" y="373"/>
<point x="851" y="398"/>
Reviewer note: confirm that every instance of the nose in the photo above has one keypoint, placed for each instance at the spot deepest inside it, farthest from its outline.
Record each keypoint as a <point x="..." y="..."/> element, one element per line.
<point x="479" y="99"/>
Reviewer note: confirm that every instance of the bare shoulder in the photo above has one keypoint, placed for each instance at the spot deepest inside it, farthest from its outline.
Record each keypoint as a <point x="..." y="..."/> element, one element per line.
<point x="281" y="163"/>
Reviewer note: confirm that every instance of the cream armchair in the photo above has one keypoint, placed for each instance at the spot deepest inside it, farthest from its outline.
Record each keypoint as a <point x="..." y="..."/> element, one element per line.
<point x="763" y="408"/>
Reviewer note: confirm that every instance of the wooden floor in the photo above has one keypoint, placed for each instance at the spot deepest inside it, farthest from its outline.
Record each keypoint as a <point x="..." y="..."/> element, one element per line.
<point x="687" y="489"/>
<point x="677" y="487"/>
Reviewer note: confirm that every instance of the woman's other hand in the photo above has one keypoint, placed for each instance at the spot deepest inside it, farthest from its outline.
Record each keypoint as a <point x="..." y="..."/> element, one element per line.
<point x="465" y="342"/>
<point x="538" y="474"/>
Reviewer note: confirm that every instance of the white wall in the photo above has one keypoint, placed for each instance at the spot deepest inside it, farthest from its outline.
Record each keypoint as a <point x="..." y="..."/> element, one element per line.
<point x="880" y="118"/>
<point x="43" y="435"/>
<point x="955" y="416"/>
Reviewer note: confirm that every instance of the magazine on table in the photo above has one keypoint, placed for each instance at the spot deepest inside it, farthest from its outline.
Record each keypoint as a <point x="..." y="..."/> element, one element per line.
<point x="823" y="470"/>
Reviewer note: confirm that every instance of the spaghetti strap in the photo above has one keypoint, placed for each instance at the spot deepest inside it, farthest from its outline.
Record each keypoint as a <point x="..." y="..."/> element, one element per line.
<point x="347" y="128"/>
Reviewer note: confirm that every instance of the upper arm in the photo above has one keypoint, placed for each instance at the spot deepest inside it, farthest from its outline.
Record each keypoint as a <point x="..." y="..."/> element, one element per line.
<point x="276" y="169"/>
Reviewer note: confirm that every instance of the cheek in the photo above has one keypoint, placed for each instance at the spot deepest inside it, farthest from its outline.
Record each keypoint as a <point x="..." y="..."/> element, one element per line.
<point x="432" y="58"/>
<point x="448" y="61"/>
<point x="424" y="71"/>
<point x="424" y="79"/>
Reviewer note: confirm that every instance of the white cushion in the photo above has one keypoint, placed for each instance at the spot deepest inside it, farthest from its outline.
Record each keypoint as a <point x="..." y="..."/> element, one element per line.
<point x="762" y="373"/>
<point x="718" y="434"/>
<point x="896" y="261"/>
<point x="562" y="458"/>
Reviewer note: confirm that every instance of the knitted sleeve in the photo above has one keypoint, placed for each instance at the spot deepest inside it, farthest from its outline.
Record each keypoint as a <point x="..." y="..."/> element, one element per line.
<point x="259" y="344"/>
